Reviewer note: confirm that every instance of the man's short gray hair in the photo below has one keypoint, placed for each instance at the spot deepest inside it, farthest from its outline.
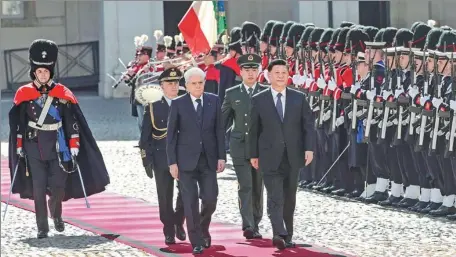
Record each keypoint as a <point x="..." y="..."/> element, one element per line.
<point x="194" y="71"/>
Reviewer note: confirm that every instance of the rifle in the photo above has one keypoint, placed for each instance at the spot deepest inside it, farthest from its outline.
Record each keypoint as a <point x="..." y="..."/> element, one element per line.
<point x="334" y="100"/>
<point x="449" y="152"/>
<point x="425" y="114"/>
<point x="323" y="98"/>
<point x="402" y="100"/>
<point x="388" y="104"/>
<point x="414" y="110"/>
<point x="372" y="103"/>
<point x="295" y="54"/>
<point x="437" y="115"/>
<point x="312" y="94"/>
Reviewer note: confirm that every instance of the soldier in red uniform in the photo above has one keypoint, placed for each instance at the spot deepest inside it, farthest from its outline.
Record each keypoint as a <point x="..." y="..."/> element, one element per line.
<point x="264" y="48"/>
<point x="274" y="44"/>
<point x="291" y="42"/>
<point x="49" y="136"/>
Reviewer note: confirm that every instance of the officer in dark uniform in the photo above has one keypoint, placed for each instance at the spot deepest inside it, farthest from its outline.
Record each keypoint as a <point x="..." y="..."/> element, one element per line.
<point x="153" y="151"/>
<point x="236" y="108"/>
<point x="47" y="132"/>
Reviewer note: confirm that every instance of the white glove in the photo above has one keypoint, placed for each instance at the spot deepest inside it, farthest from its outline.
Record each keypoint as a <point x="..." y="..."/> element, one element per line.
<point x="295" y="79"/>
<point x="339" y="121"/>
<point x="423" y="100"/>
<point x="350" y="115"/>
<point x="398" y="92"/>
<point x="436" y="102"/>
<point x="440" y="133"/>
<point x="413" y="92"/>
<point x="453" y="105"/>
<point x="332" y="85"/>
<point x="327" y="116"/>
<point x="309" y="81"/>
<point x="20" y="152"/>
<point x="355" y="88"/>
<point x="316" y="109"/>
<point x="370" y="95"/>
<point x="74" y="151"/>
<point x="266" y="75"/>
<point x="386" y="94"/>
<point x="321" y="83"/>
<point x="302" y="80"/>
<point x="359" y="113"/>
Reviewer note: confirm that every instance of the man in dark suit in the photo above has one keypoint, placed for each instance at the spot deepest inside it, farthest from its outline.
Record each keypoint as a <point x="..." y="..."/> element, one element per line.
<point x="153" y="152"/>
<point x="196" y="151"/>
<point x="236" y="107"/>
<point x="281" y="142"/>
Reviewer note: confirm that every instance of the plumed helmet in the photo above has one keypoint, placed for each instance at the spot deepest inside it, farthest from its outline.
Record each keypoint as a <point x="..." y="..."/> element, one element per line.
<point x="415" y="24"/>
<point x="305" y="36"/>
<point x="235" y="40"/>
<point x="388" y="36"/>
<point x="403" y="38"/>
<point x="356" y="41"/>
<point x="447" y="42"/>
<point x="266" y="33"/>
<point x="341" y="39"/>
<point x="346" y="24"/>
<point x="314" y="38"/>
<point x="432" y="38"/>
<point x="294" y="35"/>
<point x="309" y="24"/>
<point x="43" y="53"/>
<point x="378" y="37"/>
<point x="285" y="29"/>
<point x="446" y="28"/>
<point x="371" y="31"/>
<point x="324" y="39"/>
<point x="250" y="34"/>
<point x="275" y="33"/>
<point x="333" y="40"/>
<point x="419" y="35"/>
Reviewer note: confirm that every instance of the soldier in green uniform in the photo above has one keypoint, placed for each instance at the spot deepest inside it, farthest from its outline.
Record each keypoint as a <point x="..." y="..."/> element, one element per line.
<point x="235" y="110"/>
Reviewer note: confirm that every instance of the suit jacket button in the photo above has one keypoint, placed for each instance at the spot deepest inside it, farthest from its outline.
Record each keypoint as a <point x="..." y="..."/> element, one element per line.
<point x="201" y="143"/>
<point x="246" y="124"/>
<point x="246" y="115"/>
<point x="246" y="133"/>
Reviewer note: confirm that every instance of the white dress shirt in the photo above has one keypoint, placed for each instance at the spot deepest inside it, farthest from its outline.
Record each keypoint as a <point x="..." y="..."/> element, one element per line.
<point x="195" y="104"/>
<point x="168" y="100"/>
<point x="282" y="98"/>
<point x="247" y="88"/>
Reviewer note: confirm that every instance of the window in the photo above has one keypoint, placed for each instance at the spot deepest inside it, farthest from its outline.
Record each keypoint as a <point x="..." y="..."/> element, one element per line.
<point x="12" y="9"/>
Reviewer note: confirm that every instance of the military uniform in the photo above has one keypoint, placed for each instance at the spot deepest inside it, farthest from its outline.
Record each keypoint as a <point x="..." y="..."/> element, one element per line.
<point x="153" y="154"/>
<point x="47" y="133"/>
<point x="235" y="109"/>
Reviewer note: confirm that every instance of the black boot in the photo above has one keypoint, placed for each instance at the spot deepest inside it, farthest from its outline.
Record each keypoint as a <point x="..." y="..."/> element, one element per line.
<point x="180" y="232"/>
<point x="327" y="190"/>
<point x="59" y="225"/>
<point x="339" y="192"/>
<point x="451" y="217"/>
<point x="390" y="201"/>
<point x="406" y="203"/>
<point x="431" y="206"/>
<point x="442" y="211"/>
<point x="42" y="234"/>
<point x="355" y="194"/>
<point x="377" y="197"/>
<point x="419" y="206"/>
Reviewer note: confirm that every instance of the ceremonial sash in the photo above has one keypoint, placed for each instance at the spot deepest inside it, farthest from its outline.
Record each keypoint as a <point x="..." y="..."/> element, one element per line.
<point x="54" y="112"/>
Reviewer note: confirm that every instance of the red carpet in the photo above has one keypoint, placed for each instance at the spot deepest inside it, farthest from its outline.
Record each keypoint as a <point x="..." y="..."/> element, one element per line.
<point x="136" y="223"/>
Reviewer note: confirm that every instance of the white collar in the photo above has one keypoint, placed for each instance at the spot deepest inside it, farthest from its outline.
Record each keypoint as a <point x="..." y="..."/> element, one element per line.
<point x="275" y="93"/>
<point x="194" y="98"/>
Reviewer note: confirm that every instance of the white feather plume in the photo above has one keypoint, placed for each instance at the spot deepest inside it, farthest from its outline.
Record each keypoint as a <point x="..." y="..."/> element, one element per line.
<point x="137" y="41"/>
<point x="144" y="38"/>
<point x="177" y="39"/>
<point x="168" y="41"/>
<point x="158" y="34"/>
<point x="431" y="23"/>
<point x="225" y="39"/>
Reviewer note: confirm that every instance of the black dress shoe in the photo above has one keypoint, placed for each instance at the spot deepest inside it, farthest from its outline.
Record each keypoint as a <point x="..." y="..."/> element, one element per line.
<point x="278" y="242"/>
<point x="304" y="183"/>
<point x="169" y="240"/>
<point x="321" y="187"/>
<point x="377" y="197"/>
<point x="418" y="206"/>
<point x="197" y="250"/>
<point x="248" y="233"/>
<point x="328" y="189"/>
<point x="390" y="201"/>
<point x="311" y="185"/>
<point x="432" y="206"/>
<point x="290" y="244"/>
<point x="59" y="225"/>
<point x="442" y="211"/>
<point x="42" y="234"/>
<point x="406" y="203"/>
<point x="180" y="232"/>
<point x="339" y="192"/>
<point x="451" y="217"/>
<point x="355" y="194"/>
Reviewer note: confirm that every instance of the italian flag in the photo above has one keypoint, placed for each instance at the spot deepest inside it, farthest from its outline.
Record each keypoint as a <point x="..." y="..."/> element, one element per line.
<point x="199" y="27"/>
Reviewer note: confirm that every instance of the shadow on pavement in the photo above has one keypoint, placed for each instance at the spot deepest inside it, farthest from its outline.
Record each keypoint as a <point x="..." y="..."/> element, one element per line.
<point x="68" y="242"/>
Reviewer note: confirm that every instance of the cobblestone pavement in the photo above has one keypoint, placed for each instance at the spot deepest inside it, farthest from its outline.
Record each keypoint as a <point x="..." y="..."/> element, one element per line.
<point x="348" y="226"/>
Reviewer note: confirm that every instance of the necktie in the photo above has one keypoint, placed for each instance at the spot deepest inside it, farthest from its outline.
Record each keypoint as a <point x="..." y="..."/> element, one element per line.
<point x="250" y="92"/>
<point x="279" y="106"/>
<point x="199" y="111"/>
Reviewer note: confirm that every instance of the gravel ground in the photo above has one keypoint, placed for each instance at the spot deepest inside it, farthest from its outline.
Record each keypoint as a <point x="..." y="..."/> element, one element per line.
<point x="348" y="226"/>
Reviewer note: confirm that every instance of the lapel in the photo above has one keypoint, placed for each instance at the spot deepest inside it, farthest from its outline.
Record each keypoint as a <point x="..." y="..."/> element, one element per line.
<point x="207" y="105"/>
<point x="257" y="89"/>
<point x="288" y="104"/>
<point x="165" y="105"/>
<point x="191" y="108"/>
<point x="244" y="94"/>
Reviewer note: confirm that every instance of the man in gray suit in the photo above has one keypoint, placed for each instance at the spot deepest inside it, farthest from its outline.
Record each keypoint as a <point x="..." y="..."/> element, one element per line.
<point x="281" y="142"/>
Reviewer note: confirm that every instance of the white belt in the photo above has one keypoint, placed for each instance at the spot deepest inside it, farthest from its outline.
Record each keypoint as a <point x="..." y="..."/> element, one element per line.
<point x="46" y="127"/>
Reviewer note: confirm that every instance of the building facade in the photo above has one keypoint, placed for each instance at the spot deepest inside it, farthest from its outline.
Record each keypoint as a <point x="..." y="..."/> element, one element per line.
<point x="93" y="35"/>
